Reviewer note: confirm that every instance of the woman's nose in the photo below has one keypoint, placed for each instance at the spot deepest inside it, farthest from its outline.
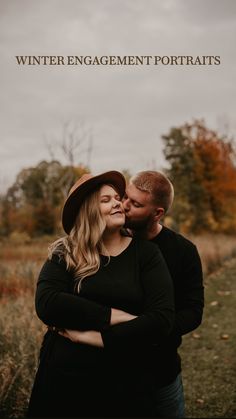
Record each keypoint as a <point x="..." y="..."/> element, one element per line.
<point x="116" y="203"/>
<point x="125" y="203"/>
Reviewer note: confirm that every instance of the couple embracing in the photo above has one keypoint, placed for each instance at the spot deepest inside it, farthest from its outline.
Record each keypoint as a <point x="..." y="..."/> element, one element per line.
<point x="117" y="293"/>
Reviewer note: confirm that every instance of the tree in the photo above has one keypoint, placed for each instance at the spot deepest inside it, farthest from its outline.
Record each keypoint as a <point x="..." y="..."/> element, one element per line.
<point x="202" y="169"/>
<point x="32" y="203"/>
<point x="74" y="141"/>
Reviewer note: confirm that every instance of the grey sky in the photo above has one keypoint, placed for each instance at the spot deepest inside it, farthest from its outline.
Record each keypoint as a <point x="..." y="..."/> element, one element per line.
<point x="126" y="108"/>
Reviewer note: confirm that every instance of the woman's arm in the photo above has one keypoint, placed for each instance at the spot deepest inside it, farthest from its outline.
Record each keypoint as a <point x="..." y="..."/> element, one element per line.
<point x="57" y="306"/>
<point x="157" y="319"/>
<point x="92" y="337"/>
<point x="120" y="316"/>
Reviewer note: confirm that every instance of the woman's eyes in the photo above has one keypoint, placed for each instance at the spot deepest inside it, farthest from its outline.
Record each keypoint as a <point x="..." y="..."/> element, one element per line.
<point x="108" y="199"/>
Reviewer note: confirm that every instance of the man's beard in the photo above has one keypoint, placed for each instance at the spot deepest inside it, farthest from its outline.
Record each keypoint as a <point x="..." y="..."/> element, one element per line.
<point x="137" y="225"/>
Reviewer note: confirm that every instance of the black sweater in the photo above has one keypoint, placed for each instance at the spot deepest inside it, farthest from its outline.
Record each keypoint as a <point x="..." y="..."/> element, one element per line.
<point x="184" y="265"/>
<point x="75" y="379"/>
<point x="136" y="281"/>
<point x="56" y="304"/>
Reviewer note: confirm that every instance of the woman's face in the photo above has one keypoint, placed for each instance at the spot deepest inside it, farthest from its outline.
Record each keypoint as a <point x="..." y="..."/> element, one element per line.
<point x="111" y="207"/>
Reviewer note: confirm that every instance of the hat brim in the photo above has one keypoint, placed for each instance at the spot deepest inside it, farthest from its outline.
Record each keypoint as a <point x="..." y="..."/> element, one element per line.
<point x="74" y="201"/>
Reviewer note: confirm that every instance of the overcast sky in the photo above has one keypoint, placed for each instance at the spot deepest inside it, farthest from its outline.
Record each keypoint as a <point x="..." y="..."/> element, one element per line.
<point x="126" y="109"/>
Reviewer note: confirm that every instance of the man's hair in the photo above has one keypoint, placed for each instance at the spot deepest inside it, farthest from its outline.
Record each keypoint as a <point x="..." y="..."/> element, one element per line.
<point x="157" y="184"/>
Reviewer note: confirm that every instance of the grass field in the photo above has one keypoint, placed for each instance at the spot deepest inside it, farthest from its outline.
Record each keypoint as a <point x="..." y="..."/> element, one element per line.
<point x="208" y="354"/>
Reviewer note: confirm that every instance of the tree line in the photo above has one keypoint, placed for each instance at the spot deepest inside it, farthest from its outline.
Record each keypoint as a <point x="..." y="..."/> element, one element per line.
<point x="202" y="168"/>
<point x="201" y="165"/>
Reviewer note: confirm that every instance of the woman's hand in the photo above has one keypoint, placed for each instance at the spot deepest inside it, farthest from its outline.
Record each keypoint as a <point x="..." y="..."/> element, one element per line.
<point x="92" y="337"/>
<point x="88" y="337"/>
<point x="120" y="316"/>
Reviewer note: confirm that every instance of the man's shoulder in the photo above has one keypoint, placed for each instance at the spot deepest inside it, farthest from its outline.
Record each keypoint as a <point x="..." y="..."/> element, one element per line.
<point x="169" y="235"/>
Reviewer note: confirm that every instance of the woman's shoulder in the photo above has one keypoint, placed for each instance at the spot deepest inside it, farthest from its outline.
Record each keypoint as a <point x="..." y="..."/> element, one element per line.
<point x="57" y="258"/>
<point x="57" y="252"/>
<point x="146" y="245"/>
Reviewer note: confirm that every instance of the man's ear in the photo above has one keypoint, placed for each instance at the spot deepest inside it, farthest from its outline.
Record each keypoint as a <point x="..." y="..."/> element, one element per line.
<point x="159" y="212"/>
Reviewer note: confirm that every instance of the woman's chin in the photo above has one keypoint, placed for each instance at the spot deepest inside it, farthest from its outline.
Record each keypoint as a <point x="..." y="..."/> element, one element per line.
<point x="115" y="225"/>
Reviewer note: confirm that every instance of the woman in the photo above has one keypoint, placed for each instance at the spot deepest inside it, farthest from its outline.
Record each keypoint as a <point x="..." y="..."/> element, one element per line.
<point x="107" y="299"/>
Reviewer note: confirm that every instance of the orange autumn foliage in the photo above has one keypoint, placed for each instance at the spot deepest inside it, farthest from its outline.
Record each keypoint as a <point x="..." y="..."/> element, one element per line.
<point x="203" y="171"/>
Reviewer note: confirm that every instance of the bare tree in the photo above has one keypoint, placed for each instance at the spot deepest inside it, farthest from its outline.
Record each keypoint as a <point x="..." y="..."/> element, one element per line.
<point x="75" y="141"/>
<point x="49" y="147"/>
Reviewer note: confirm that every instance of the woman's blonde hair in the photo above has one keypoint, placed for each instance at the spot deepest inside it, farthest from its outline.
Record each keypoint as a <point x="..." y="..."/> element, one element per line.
<point x="81" y="248"/>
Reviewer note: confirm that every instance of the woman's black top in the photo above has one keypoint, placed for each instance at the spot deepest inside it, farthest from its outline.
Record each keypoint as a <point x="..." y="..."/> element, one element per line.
<point x="80" y="380"/>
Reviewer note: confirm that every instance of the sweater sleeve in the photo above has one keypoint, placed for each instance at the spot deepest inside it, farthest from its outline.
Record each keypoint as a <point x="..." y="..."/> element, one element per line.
<point x="57" y="306"/>
<point x="189" y="313"/>
<point x="189" y="296"/>
<point x="157" y="318"/>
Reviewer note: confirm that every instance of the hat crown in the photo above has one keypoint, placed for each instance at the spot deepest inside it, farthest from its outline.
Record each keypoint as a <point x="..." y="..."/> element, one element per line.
<point x="84" y="178"/>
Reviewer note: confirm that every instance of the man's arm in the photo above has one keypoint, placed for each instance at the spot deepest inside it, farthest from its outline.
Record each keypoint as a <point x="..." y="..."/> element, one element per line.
<point x="189" y="296"/>
<point x="156" y="320"/>
<point x="189" y="305"/>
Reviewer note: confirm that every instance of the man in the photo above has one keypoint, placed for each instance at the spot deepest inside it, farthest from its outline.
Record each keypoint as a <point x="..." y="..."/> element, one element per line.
<point x="149" y="195"/>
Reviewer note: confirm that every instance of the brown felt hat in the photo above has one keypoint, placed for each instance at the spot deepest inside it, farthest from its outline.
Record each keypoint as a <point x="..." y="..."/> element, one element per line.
<point x="83" y="187"/>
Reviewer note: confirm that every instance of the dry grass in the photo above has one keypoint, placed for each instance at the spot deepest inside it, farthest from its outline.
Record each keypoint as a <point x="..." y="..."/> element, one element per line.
<point x="214" y="250"/>
<point x="21" y="334"/>
<point x="20" y="329"/>
<point x="208" y="359"/>
<point x="19" y="266"/>
<point x="34" y="250"/>
<point x="18" y="277"/>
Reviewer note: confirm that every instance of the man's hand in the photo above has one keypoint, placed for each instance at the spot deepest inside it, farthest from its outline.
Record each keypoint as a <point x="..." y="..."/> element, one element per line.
<point x="89" y="337"/>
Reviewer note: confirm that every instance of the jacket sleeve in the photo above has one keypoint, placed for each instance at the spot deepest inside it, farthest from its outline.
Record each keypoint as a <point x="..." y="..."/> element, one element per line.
<point x="157" y="317"/>
<point x="57" y="306"/>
